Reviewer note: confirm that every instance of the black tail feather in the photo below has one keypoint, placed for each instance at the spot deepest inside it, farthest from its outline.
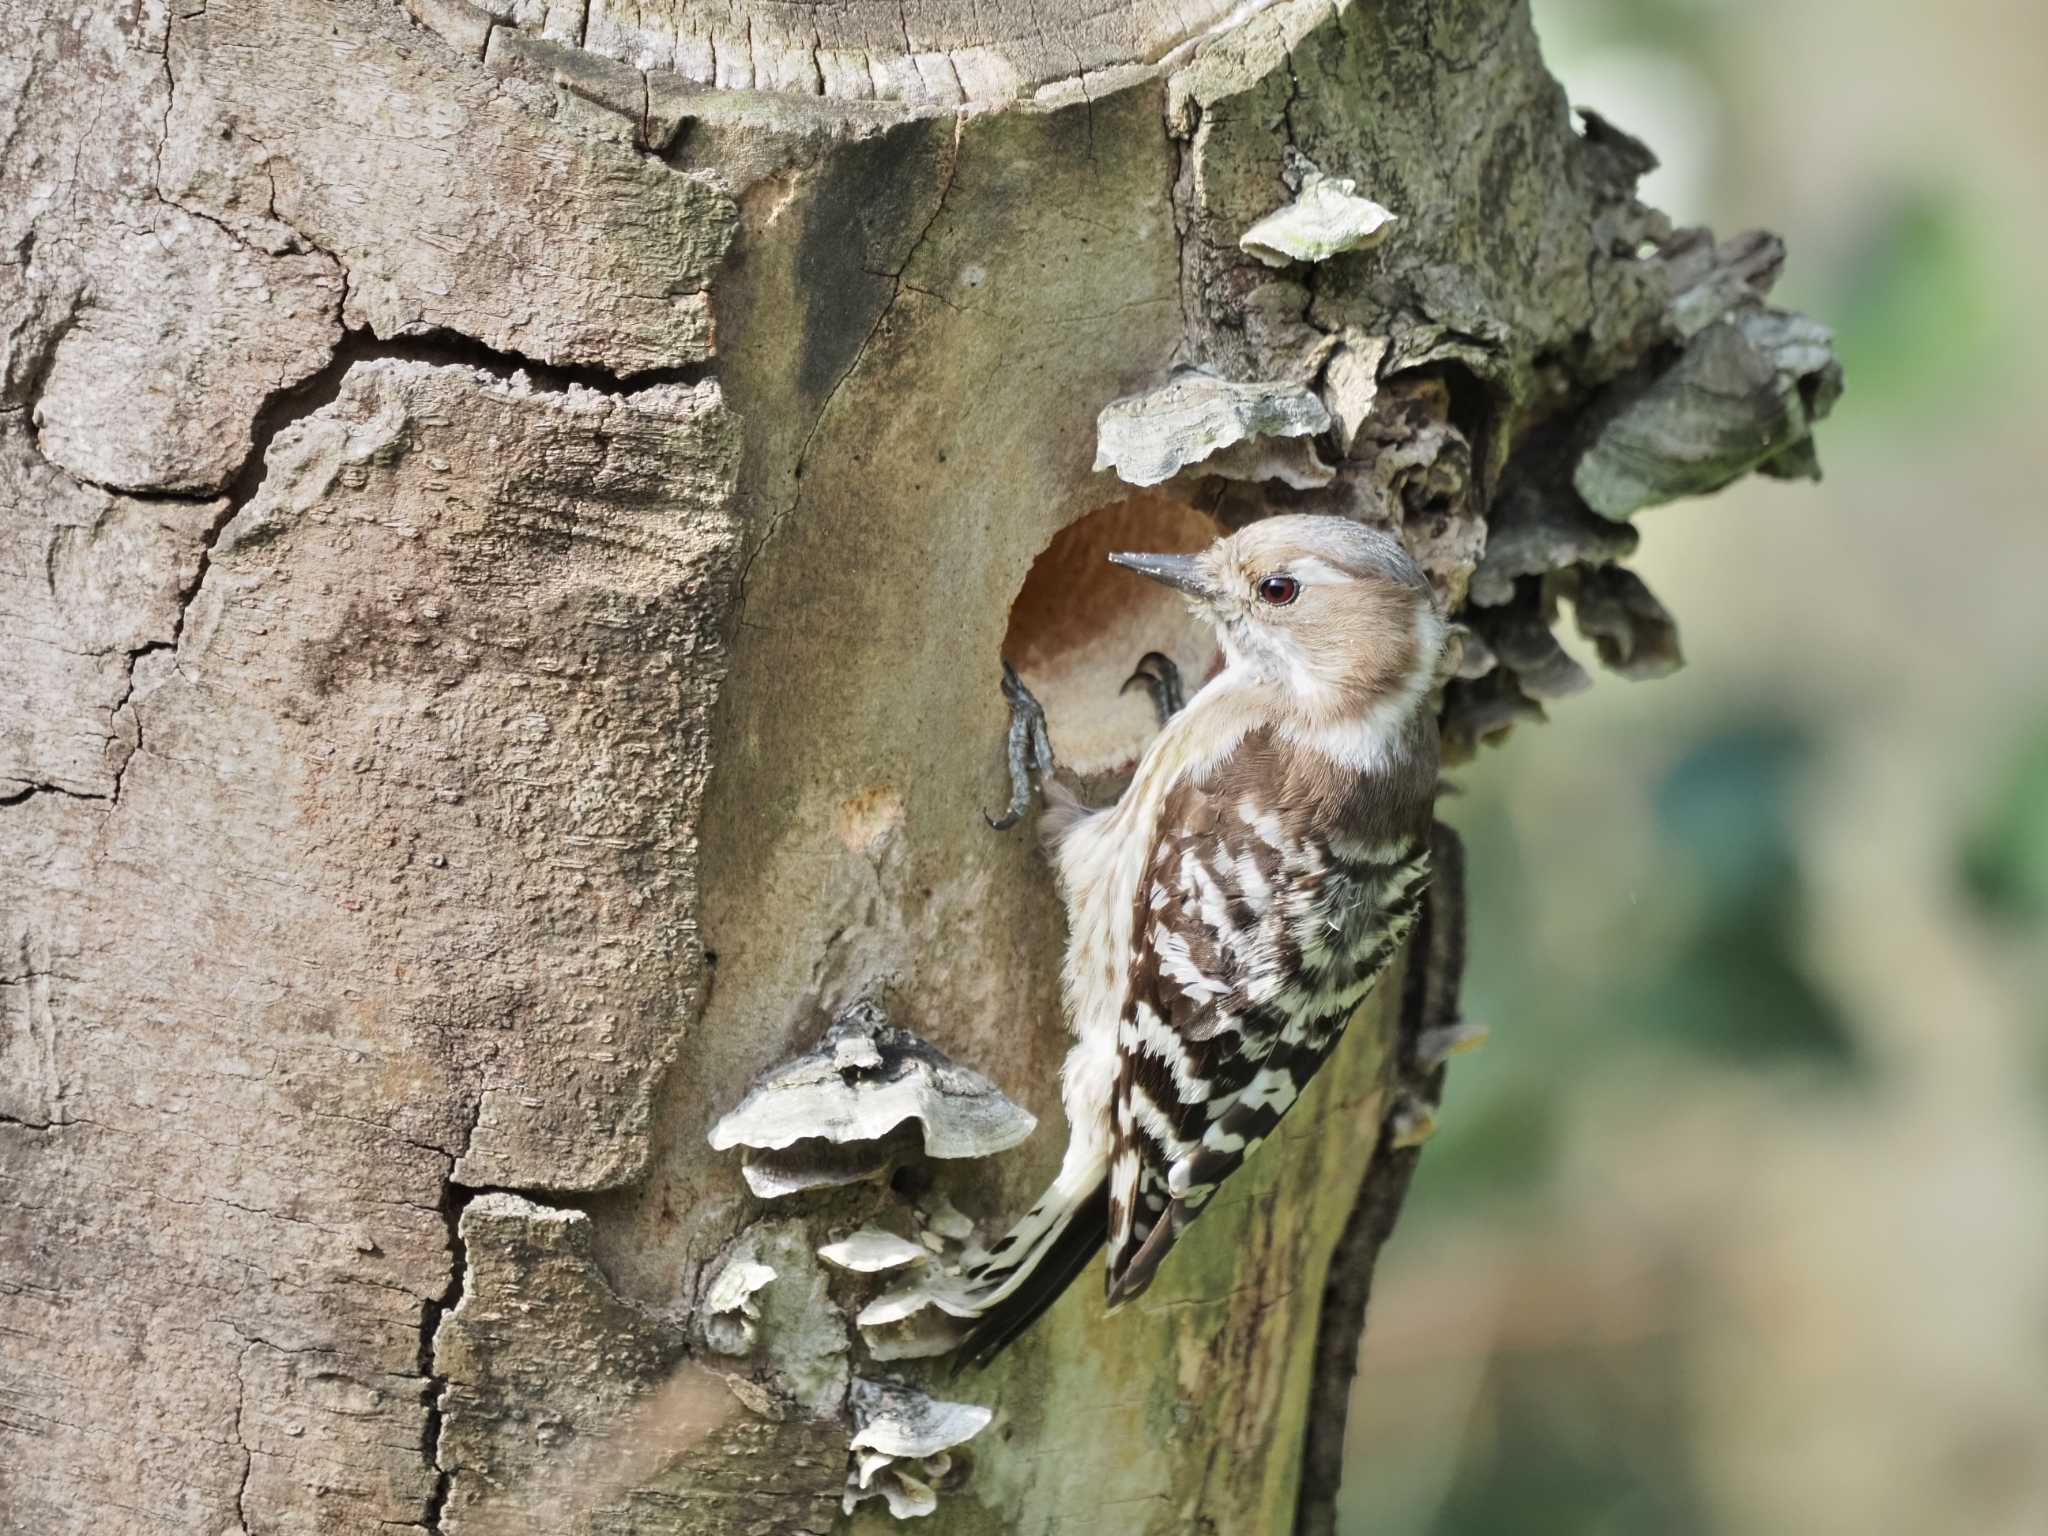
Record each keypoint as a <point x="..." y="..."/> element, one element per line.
<point x="1070" y="1253"/>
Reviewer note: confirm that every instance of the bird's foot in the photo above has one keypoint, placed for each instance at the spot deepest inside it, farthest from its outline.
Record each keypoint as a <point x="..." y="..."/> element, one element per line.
<point x="1029" y="747"/>
<point x="1159" y="677"/>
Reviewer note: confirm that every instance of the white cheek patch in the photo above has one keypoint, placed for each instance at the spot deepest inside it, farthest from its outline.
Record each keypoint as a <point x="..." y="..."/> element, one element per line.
<point x="1301" y="677"/>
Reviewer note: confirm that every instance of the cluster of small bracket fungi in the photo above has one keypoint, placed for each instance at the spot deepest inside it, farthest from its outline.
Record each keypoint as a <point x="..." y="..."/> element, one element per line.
<point x="1730" y="385"/>
<point x="868" y="1098"/>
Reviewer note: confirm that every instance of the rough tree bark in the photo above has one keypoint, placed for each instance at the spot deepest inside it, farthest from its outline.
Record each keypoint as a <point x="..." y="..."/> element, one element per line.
<point x="510" y="514"/>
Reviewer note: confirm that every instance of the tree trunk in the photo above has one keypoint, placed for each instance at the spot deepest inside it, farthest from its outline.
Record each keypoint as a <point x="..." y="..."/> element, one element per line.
<point x="513" y="514"/>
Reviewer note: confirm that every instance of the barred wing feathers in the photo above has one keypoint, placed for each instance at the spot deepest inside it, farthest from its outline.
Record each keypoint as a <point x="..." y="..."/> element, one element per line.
<point x="1278" y="892"/>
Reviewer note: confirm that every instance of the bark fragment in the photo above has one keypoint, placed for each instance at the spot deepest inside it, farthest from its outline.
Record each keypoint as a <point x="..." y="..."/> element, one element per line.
<point x="561" y="246"/>
<point x="132" y="403"/>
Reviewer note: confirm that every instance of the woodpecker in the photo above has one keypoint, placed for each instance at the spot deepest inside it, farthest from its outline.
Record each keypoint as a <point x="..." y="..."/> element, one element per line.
<point x="1232" y="909"/>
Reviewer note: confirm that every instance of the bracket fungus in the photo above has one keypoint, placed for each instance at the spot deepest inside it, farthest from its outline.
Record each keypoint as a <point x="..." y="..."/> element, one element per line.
<point x="1522" y="641"/>
<point x="1483" y="711"/>
<point x="1412" y="1122"/>
<point x="1326" y="218"/>
<point x="920" y="1335"/>
<point x="866" y="1093"/>
<point x="1732" y="385"/>
<point x="943" y="1219"/>
<point x="872" y="1250"/>
<point x="1193" y="417"/>
<point x="768" y="1301"/>
<point x="1744" y="393"/>
<point x="1531" y="534"/>
<point x="934" y="1291"/>
<point x="730" y="1310"/>
<point x="902" y="1445"/>
<point x="1437" y="1045"/>
<point x="1293" y="461"/>
<point x="1473" y="656"/>
<point x="918" y="1318"/>
<point x="1633" y="633"/>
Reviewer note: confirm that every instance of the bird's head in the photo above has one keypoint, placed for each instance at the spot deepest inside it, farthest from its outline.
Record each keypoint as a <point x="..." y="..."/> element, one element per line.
<point x="1332" y="611"/>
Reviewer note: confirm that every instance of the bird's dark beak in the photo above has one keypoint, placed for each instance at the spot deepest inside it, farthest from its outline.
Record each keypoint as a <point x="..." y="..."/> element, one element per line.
<point x="1182" y="571"/>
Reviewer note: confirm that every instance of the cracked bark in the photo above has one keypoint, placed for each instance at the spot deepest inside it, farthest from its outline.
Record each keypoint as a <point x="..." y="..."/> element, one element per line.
<point x="426" y="639"/>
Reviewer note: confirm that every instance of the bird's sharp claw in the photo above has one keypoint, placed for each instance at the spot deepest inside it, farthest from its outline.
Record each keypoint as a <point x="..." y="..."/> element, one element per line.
<point x="1160" y="677"/>
<point x="1028" y="747"/>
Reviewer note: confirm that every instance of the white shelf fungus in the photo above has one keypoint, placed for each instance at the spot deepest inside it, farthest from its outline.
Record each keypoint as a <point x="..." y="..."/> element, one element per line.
<point x="1194" y="416"/>
<point x="1326" y="218"/>
<point x="872" y="1250"/>
<point x="902" y="1444"/>
<point x="867" y="1091"/>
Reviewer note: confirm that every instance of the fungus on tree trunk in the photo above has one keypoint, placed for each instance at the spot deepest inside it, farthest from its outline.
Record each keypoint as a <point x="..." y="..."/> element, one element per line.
<point x="837" y="1114"/>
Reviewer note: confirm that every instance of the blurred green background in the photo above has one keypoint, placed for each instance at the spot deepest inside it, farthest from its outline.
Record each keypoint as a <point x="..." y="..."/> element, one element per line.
<point x="1740" y="1221"/>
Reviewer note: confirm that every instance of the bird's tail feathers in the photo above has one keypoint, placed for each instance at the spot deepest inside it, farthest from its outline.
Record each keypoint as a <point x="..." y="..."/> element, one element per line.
<point x="1131" y="1280"/>
<point x="1032" y="1266"/>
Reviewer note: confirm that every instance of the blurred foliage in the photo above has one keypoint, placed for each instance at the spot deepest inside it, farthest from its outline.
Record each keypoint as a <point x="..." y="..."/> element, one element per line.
<point x="1595" y="1450"/>
<point x="1736" y="984"/>
<point x="1686" y="28"/>
<point x="1729" y="981"/>
<point x="1914" y="309"/>
<point x="1500" y="1150"/>
<point x="2005" y="856"/>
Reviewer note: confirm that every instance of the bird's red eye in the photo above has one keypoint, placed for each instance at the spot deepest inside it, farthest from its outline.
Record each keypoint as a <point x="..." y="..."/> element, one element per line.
<point x="1279" y="590"/>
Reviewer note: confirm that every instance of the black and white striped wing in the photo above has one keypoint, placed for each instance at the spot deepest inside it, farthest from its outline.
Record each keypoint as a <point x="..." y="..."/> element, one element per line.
<point x="1260" y="929"/>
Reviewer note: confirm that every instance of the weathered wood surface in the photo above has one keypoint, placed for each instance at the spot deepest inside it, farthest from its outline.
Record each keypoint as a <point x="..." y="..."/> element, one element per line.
<point x="495" y="534"/>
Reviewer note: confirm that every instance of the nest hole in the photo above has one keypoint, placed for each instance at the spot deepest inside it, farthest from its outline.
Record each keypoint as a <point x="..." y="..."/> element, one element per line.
<point x="1079" y="626"/>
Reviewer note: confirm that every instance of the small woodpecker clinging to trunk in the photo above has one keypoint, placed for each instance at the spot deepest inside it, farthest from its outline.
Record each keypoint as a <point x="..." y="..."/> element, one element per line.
<point x="1229" y="913"/>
